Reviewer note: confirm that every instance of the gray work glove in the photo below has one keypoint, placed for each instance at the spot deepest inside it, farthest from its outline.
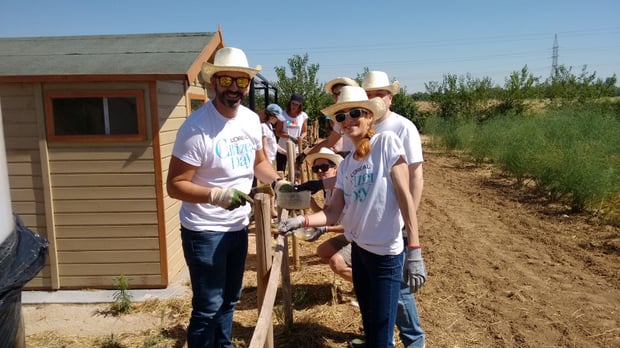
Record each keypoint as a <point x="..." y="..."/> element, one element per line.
<point x="316" y="233"/>
<point x="285" y="227"/>
<point x="228" y="198"/>
<point x="415" y="272"/>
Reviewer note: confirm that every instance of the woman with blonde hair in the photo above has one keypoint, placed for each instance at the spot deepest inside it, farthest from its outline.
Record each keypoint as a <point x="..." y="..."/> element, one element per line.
<point x="372" y="188"/>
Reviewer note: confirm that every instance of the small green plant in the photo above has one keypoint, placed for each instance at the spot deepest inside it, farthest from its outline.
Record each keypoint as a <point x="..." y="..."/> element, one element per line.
<point x="111" y="342"/>
<point x="122" y="297"/>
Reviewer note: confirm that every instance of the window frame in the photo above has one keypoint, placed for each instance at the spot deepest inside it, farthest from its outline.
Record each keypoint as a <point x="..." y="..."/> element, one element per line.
<point x="194" y="96"/>
<point x="49" y="96"/>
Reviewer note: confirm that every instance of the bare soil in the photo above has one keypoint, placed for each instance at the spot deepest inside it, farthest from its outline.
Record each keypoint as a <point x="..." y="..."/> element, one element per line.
<point x="506" y="269"/>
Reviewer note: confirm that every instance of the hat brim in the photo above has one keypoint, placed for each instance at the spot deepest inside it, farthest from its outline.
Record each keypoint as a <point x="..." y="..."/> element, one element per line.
<point x="208" y="69"/>
<point x="394" y="88"/>
<point x="375" y="105"/>
<point x="330" y="157"/>
<point x="340" y="81"/>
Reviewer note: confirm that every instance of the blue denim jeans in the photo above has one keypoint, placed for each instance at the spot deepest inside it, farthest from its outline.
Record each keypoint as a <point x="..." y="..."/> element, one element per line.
<point x="376" y="280"/>
<point x="407" y="319"/>
<point x="216" y="261"/>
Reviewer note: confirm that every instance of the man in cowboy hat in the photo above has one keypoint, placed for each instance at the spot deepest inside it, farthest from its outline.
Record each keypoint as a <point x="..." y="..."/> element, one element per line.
<point x="217" y="153"/>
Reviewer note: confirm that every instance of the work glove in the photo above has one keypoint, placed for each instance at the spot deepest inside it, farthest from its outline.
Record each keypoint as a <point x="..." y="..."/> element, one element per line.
<point x="228" y="198"/>
<point x="285" y="227"/>
<point x="299" y="160"/>
<point x="313" y="186"/>
<point x="282" y="186"/>
<point x="316" y="233"/>
<point x="415" y="272"/>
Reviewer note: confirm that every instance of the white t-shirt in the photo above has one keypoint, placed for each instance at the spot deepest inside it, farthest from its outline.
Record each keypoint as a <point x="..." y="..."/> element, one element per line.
<point x="407" y="132"/>
<point x="271" y="142"/>
<point x="224" y="151"/>
<point x="372" y="217"/>
<point x="291" y="126"/>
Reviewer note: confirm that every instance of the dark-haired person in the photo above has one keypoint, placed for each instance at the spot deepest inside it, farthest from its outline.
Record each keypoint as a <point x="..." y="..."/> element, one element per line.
<point x="294" y="126"/>
<point x="217" y="153"/>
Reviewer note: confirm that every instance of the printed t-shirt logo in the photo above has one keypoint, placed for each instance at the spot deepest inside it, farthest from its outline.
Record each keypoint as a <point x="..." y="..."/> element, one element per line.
<point x="236" y="150"/>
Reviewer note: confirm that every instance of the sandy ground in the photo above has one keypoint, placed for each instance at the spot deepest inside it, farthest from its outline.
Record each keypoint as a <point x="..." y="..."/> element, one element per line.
<point x="506" y="269"/>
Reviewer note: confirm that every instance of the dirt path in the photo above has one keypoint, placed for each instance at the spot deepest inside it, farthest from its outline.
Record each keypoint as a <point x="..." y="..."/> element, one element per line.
<point x="505" y="270"/>
<point x="505" y="273"/>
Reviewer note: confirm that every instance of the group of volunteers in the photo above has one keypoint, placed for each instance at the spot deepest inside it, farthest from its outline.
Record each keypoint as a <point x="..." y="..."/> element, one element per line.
<point x="372" y="193"/>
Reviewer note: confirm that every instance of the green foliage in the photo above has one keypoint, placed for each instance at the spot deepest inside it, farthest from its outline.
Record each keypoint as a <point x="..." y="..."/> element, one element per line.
<point x="564" y="87"/>
<point x="569" y="153"/>
<point x="463" y="96"/>
<point x="303" y="80"/>
<point x="122" y="296"/>
<point x="404" y="104"/>
<point x="518" y="88"/>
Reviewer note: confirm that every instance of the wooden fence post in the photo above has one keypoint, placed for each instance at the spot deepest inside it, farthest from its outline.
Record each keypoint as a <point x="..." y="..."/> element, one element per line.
<point x="262" y="218"/>
<point x="290" y="156"/>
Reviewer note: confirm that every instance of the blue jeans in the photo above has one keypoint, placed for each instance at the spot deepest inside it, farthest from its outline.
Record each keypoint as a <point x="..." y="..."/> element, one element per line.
<point x="376" y="280"/>
<point x="407" y="319"/>
<point x="216" y="261"/>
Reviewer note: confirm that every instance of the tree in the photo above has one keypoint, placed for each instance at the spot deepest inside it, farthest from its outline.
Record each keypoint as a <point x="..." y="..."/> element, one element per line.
<point x="304" y="82"/>
<point x="519" y="87"/>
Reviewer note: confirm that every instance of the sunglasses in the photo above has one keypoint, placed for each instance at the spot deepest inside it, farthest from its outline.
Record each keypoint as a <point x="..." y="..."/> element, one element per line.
<point x="355" y="113"/>
<point x="322" y="167"/>
<point x="226" y="81"/>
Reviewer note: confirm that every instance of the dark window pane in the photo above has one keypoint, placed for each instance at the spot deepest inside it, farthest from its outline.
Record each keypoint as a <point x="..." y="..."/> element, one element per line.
<point x="78" y="116"/>
<point x="123" y="115"/>
<point x="196" y="104"/>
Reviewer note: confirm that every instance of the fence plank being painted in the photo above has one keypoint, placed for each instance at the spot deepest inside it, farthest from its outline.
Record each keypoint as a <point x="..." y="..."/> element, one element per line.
<point x="264" y="323"/>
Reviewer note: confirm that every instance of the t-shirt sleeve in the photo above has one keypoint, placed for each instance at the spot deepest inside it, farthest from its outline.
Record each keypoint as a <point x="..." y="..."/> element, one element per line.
<point x="413" y="145"/>
<point x="189" y="146"/>
<point x="392" y="147"/>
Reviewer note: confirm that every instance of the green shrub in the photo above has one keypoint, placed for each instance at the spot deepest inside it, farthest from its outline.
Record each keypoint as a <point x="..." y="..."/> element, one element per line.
<point x="571" y="153"/>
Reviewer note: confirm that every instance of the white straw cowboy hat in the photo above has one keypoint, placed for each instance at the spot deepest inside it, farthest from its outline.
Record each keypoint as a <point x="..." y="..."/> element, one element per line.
<point x="355" y="97"/>
<point x="327" y="154"/>
<point x="228" y="59"/>
<point x="378" y="80"/>
<point x="339" y="81"/>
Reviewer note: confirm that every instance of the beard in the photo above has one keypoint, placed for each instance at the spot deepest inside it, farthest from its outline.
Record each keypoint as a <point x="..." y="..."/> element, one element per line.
<point x="229" y="99"/>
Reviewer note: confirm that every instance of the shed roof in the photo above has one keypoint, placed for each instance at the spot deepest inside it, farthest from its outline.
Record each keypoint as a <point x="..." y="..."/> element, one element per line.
<point x="136" y="54"/>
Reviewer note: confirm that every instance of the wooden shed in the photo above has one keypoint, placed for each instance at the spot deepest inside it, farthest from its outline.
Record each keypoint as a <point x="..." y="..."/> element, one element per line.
<point x="89" y="125"/>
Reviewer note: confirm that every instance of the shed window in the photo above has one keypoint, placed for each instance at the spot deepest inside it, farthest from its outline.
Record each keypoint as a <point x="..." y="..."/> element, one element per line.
<point x="95" y="115"/>
<point x="195" y="101"/>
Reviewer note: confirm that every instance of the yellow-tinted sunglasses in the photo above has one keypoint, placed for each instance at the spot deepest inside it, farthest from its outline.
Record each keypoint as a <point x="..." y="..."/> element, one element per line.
<point x="226" y="81"/>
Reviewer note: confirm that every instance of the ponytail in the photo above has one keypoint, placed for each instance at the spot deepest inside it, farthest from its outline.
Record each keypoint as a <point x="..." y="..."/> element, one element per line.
<point x="363" y="149"/>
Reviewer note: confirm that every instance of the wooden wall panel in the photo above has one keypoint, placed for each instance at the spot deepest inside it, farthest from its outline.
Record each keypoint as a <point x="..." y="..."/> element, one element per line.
<point x="136" y="281"/>
<point x="104" y="256"/>
<point x="19" y="120"/>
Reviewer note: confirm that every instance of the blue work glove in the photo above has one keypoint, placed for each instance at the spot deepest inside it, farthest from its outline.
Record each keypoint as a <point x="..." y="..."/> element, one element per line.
<point x="285" y="227"/>
<point x="415" y="272"/>
<point x="313" y="186"/>
<point x="228" y="198"/>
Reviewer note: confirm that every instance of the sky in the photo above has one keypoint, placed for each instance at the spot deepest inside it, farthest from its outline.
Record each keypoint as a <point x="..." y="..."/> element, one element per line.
<point x="415" y="42"/>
